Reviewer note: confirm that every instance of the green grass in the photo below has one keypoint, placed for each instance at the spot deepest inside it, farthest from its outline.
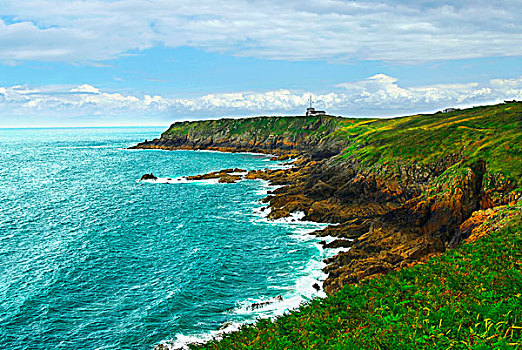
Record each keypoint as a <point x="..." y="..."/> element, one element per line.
<point x="489" y="133"/>
<point x="259" y="126"/>
<point x="468" y="298"/>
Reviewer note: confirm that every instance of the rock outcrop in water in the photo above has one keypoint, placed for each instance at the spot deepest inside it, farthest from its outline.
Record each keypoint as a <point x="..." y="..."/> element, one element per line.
<point x="400" y="190"/>
<point x="223" y="176"/>
<point x="148" y="177"/>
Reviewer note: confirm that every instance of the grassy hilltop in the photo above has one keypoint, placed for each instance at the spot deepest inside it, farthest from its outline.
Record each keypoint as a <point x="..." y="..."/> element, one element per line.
<point x="490" y="133"/>
<point x="430" y="206"/>
<point x="262" y="127"/>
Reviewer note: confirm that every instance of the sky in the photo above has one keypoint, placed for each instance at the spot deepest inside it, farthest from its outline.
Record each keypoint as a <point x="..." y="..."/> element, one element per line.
<point x="152" y="62"/>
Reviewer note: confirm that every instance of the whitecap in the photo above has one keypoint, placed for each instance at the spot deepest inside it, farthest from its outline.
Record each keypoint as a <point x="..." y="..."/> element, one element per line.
<point x="180" y="180"/>
<point x="182" y="341"/>
<point x="306" y="287"/>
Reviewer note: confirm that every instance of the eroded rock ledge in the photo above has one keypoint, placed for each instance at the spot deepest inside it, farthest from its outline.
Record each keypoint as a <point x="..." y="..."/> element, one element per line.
<point x="223" y="176"/>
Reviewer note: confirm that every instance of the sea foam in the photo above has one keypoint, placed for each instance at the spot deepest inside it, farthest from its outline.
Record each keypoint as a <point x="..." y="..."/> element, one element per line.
<point x="306" y="287"/>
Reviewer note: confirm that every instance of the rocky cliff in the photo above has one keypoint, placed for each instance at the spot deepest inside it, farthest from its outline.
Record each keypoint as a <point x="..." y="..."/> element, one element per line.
<point x="278" y="135"/>
<point x="401" y="190"/>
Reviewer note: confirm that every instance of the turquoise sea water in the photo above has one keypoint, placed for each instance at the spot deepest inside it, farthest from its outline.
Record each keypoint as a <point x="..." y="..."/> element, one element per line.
<point x="91" y="258"/>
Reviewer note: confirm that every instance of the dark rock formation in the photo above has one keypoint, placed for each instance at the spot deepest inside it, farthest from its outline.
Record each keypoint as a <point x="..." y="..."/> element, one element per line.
<point x="148" y="177"/>
<point x="223" y="176"/>
<point x="261" y="304"/>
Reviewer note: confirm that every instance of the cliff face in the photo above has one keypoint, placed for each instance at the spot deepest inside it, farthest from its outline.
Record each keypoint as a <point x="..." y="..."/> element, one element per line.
<point x="262" y="134"/>
<point x="389" y="219"/>
<point x="400" y="190"/>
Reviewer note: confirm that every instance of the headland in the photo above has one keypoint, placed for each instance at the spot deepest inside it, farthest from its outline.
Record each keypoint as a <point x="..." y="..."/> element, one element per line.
<point x="400" y="191"/>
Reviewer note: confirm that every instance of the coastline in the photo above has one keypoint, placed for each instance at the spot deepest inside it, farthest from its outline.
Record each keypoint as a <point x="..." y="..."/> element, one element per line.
<point x="395" y="201"/>
<point x="307" y="286"/>
<point x="391" y="213"/>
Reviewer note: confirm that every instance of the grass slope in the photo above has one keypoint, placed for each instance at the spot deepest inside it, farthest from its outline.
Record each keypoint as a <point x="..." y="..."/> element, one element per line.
<point x="490" y="133"/>
<point x="468" y="298"/>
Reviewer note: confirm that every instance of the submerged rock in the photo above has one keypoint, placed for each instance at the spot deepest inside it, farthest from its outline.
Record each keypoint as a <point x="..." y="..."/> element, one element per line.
<point x="265" y="303"/>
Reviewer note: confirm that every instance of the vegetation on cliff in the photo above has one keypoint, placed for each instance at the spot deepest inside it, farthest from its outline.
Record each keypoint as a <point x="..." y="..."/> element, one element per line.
<point x="260" y="134"/>
<point x="489" y="133"/>
<point x="261" y="127"/>
<point x="402" y="191"/>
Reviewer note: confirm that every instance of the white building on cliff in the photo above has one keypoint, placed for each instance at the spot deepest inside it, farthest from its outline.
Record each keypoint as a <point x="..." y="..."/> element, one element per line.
<point x="310" y="111"/>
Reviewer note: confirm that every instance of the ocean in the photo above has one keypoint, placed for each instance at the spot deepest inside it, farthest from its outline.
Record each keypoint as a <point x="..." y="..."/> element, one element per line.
<point x="92" y="258"/>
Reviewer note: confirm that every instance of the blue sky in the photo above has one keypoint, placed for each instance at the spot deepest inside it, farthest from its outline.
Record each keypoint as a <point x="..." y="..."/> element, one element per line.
<point x="139" y="62"/>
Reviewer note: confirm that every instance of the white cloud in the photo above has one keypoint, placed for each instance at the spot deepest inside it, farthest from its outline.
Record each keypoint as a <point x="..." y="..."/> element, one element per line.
<point x="393" y="30"/>
<point x="379" y="95"/>
<point x="86" y="88"/>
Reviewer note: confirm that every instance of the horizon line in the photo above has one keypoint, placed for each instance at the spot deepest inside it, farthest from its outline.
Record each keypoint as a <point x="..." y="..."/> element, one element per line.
<point x="83" y="127"/>
<point x="425" y="112"/>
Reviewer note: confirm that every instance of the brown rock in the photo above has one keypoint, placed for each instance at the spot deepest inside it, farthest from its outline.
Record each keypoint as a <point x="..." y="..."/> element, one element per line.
<point x="148" y="177"/>
<point x="229" y="178"/>
<point x="339" y="243"/>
